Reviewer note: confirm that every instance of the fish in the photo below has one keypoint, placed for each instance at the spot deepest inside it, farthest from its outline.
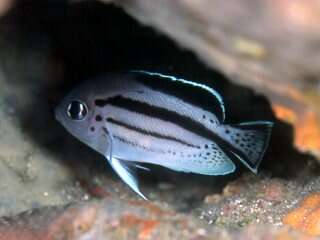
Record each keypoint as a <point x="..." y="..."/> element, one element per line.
<point x="138" y="117"/>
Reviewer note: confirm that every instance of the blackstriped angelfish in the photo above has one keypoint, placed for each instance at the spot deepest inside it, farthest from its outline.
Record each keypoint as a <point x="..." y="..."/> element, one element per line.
<point x="153" y="118"/>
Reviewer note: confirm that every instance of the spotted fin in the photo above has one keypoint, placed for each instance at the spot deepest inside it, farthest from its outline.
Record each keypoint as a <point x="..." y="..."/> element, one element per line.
<point x="249" y="141"/>
<point x="211" y="161"/>
<point x="127" y="173"/>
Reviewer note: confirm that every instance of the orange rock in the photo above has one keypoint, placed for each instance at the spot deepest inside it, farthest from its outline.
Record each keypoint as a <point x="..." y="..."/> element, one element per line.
<point x="284" y="113"/>
<point x="286" y="234"/>
<point x="151" y="207"/>
<point x="306" y="127"/>
<point x="306" y="217"/>
<point x="145" y="226"/>
<point x="308" y="132"/>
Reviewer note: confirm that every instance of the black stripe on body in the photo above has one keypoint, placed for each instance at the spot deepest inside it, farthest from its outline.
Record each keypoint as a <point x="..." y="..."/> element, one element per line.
<point x="151" y="133"/>
<point x="127" y="141"/>
<point x="175" y="118"/>
<point x="193" y="95"/>
<point x="157" y="112"/>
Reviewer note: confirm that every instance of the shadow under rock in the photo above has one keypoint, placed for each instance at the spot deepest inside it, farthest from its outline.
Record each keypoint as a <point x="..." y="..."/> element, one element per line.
<point x="90" y="38"/>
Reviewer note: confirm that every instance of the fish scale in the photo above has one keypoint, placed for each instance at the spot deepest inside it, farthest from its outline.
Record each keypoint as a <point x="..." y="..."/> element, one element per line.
<point x="145" y="117"/>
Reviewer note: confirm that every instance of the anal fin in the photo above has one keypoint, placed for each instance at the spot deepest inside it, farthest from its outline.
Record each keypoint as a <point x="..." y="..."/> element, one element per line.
<point x="212" y="161"/>
<point x="127" y="173"/>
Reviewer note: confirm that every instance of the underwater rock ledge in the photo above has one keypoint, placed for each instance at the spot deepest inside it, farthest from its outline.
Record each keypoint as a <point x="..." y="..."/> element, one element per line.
<point x="270" y="46"/>
<point x="114" y="219"/>
<point x="52" y="187"/>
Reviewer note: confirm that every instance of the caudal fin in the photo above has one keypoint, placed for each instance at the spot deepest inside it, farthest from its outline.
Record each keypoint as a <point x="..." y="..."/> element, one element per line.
<point x="249" y="141"/>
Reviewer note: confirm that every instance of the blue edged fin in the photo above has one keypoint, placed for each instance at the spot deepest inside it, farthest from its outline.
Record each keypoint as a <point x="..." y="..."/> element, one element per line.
<point x="220" y="109"/>
<point x="249" y="141"/>
<point x="212" y="161"/>
<point x="127" y="173"/>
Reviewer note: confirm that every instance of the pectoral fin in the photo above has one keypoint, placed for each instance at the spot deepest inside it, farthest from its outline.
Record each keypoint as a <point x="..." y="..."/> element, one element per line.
<point x="127" y="172"/>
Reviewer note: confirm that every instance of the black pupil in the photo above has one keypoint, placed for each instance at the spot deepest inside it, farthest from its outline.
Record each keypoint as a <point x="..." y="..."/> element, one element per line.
<point x="77" y="110"/>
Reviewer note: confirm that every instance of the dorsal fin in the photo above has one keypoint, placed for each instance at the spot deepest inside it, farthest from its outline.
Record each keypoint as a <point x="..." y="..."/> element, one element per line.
<point x="182" y="89"/>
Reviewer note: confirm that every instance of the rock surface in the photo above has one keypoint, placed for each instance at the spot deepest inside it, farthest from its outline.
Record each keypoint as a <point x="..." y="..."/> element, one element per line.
<point x="5" y="6"/>
<point x="53" y="187"/>
<point x="116" y="219"/>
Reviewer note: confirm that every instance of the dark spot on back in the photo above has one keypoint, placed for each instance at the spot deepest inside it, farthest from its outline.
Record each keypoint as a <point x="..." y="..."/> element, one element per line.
<point x="92" y="129"/>
<point x="100" y="102"/>
<point x="98" y="118"/>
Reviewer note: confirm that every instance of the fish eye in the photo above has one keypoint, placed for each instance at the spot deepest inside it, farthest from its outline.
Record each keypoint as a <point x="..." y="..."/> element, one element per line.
<point x="77" y="110"/>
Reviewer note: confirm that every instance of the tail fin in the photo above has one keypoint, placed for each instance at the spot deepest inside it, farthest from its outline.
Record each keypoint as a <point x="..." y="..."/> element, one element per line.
<point x="250" y="141"/>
